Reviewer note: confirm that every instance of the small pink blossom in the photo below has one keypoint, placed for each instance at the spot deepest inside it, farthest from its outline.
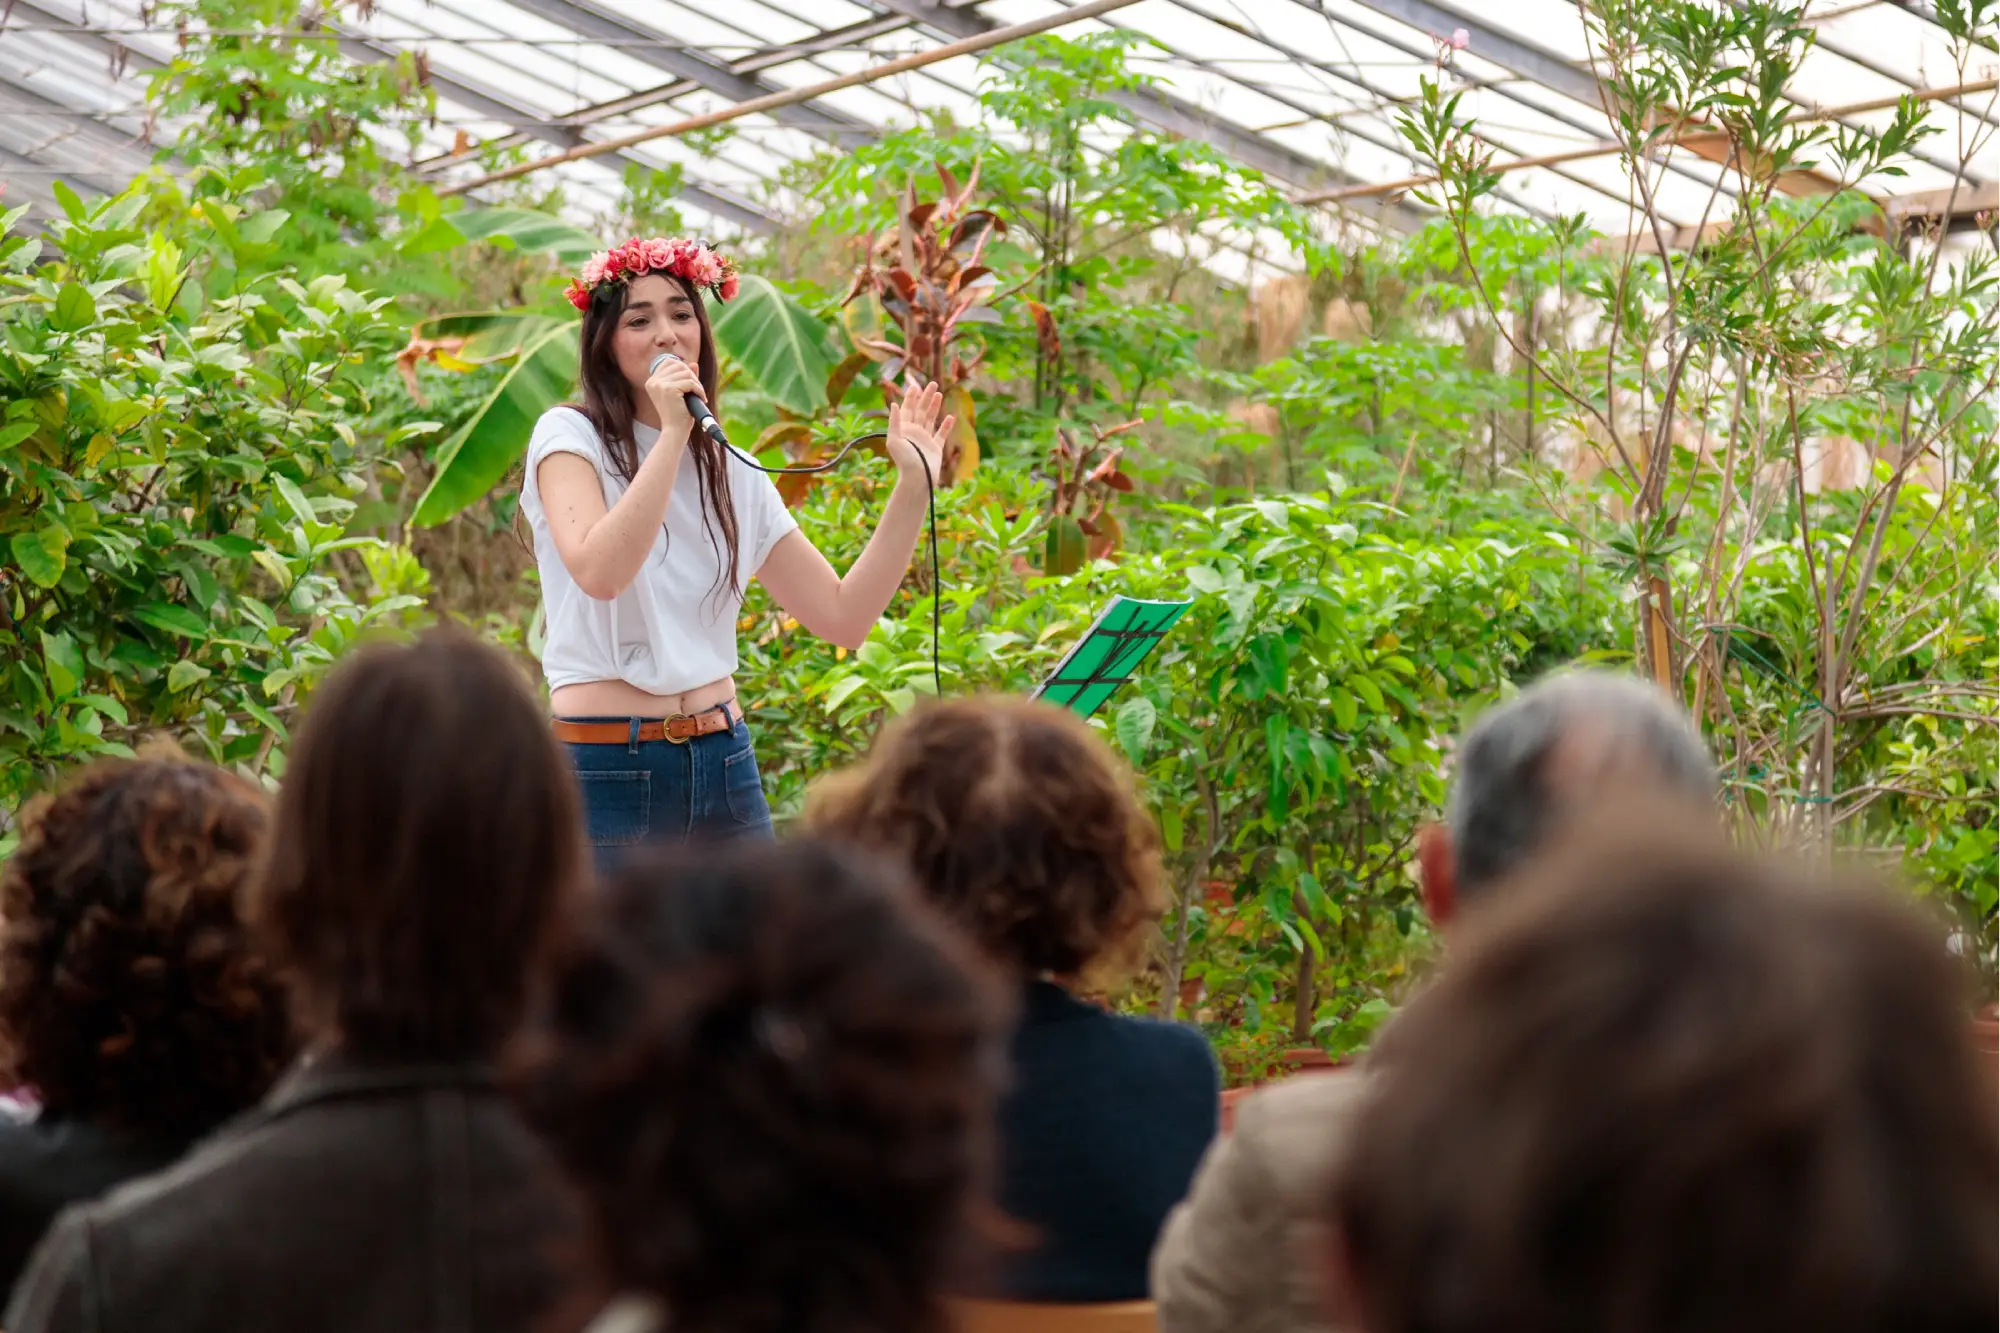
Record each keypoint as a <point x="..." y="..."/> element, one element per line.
<point x="1459" y="38"/>
<point x="594" y="268"/>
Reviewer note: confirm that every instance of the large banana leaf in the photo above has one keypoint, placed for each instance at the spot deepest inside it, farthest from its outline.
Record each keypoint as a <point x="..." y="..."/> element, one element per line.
<point x="517" y="228"/>
<point x="479" y="453"/>
<point x="490" y="335"/>
<point x="778" y="343"/>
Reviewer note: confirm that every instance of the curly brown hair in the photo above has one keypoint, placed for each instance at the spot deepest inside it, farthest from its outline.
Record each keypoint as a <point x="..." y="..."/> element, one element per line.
<point x="770" y="1070"/>
<point x="1017" y="820"/>
<point x="130" y="990"/>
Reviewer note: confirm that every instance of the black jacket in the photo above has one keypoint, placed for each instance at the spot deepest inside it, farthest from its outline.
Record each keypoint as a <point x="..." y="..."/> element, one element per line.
<point x="358" y="1198"/>
<point x="50" y="1163"/>
<point x="1100" y="1134"/>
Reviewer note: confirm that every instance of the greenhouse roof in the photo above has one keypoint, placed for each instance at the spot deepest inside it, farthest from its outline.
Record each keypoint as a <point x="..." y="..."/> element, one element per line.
<point x="1306" y="91"/>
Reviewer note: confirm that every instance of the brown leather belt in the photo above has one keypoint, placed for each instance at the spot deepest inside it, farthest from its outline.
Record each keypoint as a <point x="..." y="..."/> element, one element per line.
<point x="679" y="729"/>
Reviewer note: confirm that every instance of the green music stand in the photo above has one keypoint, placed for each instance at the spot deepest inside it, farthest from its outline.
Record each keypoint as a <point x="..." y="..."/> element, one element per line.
<point x="1109" y="652"/>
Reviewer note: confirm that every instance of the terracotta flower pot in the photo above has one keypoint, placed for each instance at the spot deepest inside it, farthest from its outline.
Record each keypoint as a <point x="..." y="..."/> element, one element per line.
<point x="1986" y="1030"/>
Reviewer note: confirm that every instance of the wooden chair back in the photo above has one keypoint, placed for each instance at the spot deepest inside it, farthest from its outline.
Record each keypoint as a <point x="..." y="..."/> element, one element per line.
<point x="1017" y="1317"/>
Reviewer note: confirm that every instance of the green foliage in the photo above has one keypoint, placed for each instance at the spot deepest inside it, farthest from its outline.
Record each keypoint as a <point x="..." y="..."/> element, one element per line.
<point x="288" y="104"/>
<point x="176" y="471"/>
<point x="778" y="343"/>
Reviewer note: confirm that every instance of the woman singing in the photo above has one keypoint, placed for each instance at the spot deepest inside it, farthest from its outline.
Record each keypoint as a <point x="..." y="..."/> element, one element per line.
<point x="647" y="533"/>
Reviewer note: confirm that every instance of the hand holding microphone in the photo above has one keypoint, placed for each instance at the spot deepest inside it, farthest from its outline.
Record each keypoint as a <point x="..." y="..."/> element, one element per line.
<point x="676" y="391"/>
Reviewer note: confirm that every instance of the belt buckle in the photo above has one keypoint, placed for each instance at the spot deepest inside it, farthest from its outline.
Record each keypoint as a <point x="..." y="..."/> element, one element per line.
<point x="667" y="728"/>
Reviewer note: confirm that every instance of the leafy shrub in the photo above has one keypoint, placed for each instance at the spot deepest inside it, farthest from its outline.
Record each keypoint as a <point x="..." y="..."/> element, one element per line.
<point x="175" y="471"/>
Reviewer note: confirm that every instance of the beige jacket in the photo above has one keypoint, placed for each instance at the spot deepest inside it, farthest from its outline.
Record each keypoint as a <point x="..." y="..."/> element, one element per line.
<point x="1247" y="1251"/>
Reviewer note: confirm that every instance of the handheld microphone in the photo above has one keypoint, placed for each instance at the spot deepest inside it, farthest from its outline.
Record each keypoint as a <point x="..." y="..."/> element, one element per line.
<point x="713" y="429"/>
<point x="695" y="406"/>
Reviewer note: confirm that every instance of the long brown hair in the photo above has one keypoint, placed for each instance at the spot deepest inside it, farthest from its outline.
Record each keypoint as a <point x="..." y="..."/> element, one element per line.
<point x="427" y="843"/>
<point x="607" y="405"/>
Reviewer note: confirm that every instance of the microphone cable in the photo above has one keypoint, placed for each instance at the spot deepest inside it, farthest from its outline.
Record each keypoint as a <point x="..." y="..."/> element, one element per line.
<point x="713" y="429"/>
<point x="709" y="426"/>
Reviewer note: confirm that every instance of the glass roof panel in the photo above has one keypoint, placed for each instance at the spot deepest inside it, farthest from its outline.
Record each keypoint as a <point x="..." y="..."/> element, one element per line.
<point x="1293" y="82"/>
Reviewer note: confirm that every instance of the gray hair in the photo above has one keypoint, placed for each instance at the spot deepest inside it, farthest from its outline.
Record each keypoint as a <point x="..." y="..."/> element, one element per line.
<point x="1570" y="732"/>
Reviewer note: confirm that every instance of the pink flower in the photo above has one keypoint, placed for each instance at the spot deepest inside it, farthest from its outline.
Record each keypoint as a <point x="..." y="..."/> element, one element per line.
<point x="578" y="294"/>
<point x="594" y="268"/>
<point x="728" y="292"/>
<point x="659" y="253"/>
<point x="1459" y="37"/>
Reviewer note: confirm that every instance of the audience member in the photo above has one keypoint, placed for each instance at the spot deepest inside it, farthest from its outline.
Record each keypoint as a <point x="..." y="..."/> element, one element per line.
<point x="1664" y="1087"/>
<point x="1020" y="824"/>
<point x="132" y="1007"/>
<point x="427" y="837"/>
<point x="770" y="1073"/>
<point x="1237" y="1256"/>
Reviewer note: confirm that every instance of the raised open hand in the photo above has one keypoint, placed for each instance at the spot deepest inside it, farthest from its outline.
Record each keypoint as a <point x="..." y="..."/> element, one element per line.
<point x="918" y="429"/>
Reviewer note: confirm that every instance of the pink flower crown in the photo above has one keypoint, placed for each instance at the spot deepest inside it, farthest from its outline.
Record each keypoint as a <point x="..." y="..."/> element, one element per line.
<point x="677" y="256"/>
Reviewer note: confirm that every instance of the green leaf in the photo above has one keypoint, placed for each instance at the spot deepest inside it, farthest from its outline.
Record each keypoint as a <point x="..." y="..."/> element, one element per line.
<point x="42" y="555"/>
<point x="63" y="663"/>
<point x="14" y="434"/>
<point x="67" y="197"/>
<point x="106" y="705"/>
<point x="1369" y="691"/>
<point x="295" y="500"/>
<point x="184" y="674"/>
<point x="264" y="226"/>
<point x="1345" y="710"/>
<point x="778" y="343"/>
<point x="265" y="716"/>
<point x="525" y="229"/>
<point x="434" y="236"/>
<point x="1062" y="549"/>
<point x="1204" y="579"/>
<point x="1133" y="723"/>
<point x="117" y="214"/>
<point x="839" y="692"/>
<point x="74" y="308"/>
<point x="479" y="453"/>
<point x="173" y="619"/>
<point x="274" y="564"/>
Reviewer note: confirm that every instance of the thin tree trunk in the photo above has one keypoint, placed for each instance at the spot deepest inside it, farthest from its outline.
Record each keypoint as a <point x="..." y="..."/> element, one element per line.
<point x="1177" y="950"/>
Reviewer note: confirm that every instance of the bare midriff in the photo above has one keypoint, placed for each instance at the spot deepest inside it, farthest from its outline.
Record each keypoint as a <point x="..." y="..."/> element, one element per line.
<point x="617" y="698"/>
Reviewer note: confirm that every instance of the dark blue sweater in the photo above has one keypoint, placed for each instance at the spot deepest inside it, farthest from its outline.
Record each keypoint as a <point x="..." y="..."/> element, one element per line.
<point x="1099" y="1137"/>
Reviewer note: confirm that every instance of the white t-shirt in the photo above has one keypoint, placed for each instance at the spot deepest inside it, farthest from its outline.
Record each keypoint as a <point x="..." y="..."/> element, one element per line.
<point x="672" y="629"/>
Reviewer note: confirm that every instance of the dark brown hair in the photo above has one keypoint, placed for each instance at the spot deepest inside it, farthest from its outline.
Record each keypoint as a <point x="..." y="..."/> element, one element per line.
<point x="770" y="1071"/>
<point x="130" y="993"/>
<point x="426" y="840"/>
<point x="1015" y="819"/>
<point x="608" y="405"/>
<point x="1663" y="1087"/>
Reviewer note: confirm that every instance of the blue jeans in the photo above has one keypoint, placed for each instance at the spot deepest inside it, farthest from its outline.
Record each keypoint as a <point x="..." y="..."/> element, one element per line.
<point x="668" y="791"/>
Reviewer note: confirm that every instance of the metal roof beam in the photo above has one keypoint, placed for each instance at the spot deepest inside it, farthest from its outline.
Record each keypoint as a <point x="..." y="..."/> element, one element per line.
<point x="486" y="102"/>
<point x="832" y="39"/>
<point x="1175" y="116"/>
<point x="114" y="145"/>
<point x="587" y="19"/>
<point x="1496" y="47"/>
